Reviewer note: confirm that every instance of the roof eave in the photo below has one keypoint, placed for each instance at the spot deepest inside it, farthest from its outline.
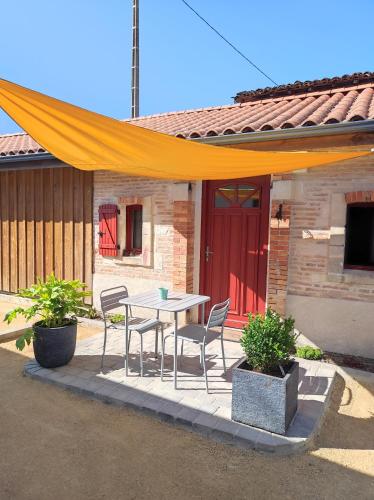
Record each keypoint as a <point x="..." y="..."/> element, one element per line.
<point x="290" y="133"/>
<point x="245" y="137"/>
<point x="26" y="157"/>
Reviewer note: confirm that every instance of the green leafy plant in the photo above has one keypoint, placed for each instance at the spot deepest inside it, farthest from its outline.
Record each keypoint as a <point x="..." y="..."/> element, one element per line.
<point x="116" y="318"/>
<point x="268" y="341"/>
<point x="55" y="303"/>
<point x="309" y="352"/>
<point x="89" y="312"/>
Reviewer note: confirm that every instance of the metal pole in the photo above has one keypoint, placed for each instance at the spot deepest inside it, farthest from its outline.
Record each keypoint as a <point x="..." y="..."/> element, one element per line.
<point x="135" y="60"/>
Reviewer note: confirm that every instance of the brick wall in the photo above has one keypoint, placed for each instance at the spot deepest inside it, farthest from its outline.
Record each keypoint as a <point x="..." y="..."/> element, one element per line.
<point x="278" y="255"/>
<point x="305" y="247"/>
<point x="171" y="224"/>
<point x="183" y="243"/>
<point x="318" y="212"/>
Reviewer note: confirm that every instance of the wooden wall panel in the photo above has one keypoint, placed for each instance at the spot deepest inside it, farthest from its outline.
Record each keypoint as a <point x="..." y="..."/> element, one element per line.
<point x="39" y="223"/>
<point x="21" y="236"/>
<point x="30" y="226"/>
<point x="45" y="225"/>
<point x="78" y="203"/>
<point x="68" y="210"/>
<point x="13" y="231"/>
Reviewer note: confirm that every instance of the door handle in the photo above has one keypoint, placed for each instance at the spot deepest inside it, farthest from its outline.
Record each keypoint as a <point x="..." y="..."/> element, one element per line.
<point x="101" y="234"/>
<point x="207" y="253"/>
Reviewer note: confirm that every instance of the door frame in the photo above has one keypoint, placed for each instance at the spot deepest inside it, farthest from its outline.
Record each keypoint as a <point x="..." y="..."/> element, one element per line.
<point x="264" y="236"/>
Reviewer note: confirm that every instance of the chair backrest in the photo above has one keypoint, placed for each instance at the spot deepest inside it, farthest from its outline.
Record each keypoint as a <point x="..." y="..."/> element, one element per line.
<point x="110" y="298"/>
<point x="218" y="314"/>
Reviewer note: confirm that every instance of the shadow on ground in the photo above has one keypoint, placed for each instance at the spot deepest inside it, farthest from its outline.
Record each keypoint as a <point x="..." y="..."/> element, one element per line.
<point x="58" y="445"/>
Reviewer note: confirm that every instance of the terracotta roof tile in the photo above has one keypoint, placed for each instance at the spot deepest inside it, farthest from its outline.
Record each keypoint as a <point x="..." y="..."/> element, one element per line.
<point x="18" y="144"/>
<point x="340" y="111"/>
<point x="360" y="107"/>
<point x="318" y="116"/>
<point x="267" y="109"/>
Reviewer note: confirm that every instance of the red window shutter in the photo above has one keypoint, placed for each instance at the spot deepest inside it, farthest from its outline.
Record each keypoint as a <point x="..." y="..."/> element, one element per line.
<point x="108" y="244"/>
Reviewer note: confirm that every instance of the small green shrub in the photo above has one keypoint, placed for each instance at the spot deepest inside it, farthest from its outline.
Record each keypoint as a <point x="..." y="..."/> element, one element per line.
<point x="89" y="312"/>
<point x="309" y="352"/>
<point x="268" y="341"/>
<point x="116" y="318"/>
<point x="56" y="303"/>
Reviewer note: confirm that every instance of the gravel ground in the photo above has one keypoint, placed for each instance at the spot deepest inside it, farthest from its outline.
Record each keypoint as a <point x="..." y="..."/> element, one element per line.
<point x="57" y="445"/>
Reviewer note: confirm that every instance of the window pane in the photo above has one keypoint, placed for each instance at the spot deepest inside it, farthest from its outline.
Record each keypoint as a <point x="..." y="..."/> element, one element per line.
<point x="137" y="223"/>
<point x="248" y="196"/>
<point x="220" y="201"/>
<point x="252" y="202"/>
<point x="359" y="242"/>
<point x="225" y="196"/>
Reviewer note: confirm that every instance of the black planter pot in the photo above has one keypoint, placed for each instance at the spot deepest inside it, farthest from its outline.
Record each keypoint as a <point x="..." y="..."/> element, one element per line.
<point x="54" y="347"/>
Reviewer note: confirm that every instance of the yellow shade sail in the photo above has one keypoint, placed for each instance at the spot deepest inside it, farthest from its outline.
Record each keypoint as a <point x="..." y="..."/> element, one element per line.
<point x="90" y="141"/>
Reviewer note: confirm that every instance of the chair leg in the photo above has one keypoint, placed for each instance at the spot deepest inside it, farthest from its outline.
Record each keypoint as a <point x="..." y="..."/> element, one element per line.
<point x="104" y="346"/>
<point x="182" y="344"/>
<point x="156" y="343"/>
<point x="204" y="366"/>
<point x="141" y="355"/>
<point x="201" y="356"/>
<point x="223" y="354"/>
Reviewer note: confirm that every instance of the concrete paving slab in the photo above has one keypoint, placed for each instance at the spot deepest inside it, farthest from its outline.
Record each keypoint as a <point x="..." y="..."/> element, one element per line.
<point x="190" y="406"/>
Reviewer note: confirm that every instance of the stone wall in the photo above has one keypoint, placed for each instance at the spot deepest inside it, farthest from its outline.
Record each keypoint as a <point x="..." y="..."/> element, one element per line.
<point x="317" y="232"/>
<point x="318" y="201"/>
<point x="168" y="226"/>
<point x="306" y="275"/>
<point x="278" y="255"/>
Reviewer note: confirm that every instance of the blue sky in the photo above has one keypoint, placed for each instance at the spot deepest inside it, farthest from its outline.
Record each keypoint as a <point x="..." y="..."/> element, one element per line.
<point x="80" y="50"/>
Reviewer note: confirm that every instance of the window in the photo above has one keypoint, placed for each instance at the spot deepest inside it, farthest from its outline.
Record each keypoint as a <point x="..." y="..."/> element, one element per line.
<point x="134" y="226"/>
<point x="359" y="239"/>
<point x="237" y="196"/>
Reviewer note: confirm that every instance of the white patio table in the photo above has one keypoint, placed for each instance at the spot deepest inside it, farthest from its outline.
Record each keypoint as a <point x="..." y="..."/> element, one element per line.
<point x="175" y="303"/>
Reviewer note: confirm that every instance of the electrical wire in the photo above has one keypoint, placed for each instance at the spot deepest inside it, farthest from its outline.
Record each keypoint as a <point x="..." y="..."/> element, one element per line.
<point x="229" y="43"/>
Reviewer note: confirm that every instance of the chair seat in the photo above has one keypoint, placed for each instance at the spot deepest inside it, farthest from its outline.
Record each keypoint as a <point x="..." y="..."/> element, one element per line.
<point x="195" y="334"/>
<point x="139" y="325"/>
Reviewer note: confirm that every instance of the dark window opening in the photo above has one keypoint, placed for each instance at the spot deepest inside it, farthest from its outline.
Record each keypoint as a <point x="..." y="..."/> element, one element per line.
<point x="359" y="239"/>
<point x="134" y="226"/>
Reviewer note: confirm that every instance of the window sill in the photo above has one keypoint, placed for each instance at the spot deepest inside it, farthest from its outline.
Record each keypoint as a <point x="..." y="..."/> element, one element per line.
<point x="358" y="268"/>
<point x="352" y="276"/>
<point x="132" y="260"/>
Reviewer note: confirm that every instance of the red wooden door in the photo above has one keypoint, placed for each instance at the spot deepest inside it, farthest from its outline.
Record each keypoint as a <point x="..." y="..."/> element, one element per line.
<point x="234" y="245"/>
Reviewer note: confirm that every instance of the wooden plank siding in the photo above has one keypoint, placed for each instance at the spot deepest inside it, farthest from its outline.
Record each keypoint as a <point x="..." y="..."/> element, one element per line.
<point x="45" y="225"/>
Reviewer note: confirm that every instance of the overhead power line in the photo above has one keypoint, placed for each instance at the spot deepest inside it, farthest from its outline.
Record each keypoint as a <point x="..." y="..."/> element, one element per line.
<point x="229" y="43"/>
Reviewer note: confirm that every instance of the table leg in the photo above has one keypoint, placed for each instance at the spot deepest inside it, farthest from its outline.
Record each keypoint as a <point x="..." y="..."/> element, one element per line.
<point x="127" y="339"/>
<point x="175" y="349"/>
<point x="202" y="319"/>
<point x="156" y="335"/>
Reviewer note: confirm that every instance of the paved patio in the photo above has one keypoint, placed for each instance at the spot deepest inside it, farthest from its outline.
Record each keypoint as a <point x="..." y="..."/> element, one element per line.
<point x="190" y="405"/>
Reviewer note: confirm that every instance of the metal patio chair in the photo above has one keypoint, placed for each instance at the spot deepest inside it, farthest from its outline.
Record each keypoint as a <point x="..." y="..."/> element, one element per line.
<point x="110" y="300"/>
<point x="201" y="335"/>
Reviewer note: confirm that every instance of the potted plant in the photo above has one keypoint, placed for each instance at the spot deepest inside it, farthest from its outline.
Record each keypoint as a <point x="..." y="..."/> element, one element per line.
<point x="55" y="304"/>
<point x="265" y="382"/>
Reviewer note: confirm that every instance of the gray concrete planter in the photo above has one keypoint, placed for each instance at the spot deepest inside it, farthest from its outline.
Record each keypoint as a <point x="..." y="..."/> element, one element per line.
<point x="262" y="400"/>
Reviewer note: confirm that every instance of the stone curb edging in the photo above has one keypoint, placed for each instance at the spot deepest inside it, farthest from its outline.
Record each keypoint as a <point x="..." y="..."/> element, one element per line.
<point x="181" y="417"/>
<point x="99" y="323"/>
<point x="10" y="334"/>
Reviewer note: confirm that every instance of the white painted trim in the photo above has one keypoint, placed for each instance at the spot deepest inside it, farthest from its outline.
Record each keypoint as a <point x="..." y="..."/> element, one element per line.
<point x="198" y="190"/>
